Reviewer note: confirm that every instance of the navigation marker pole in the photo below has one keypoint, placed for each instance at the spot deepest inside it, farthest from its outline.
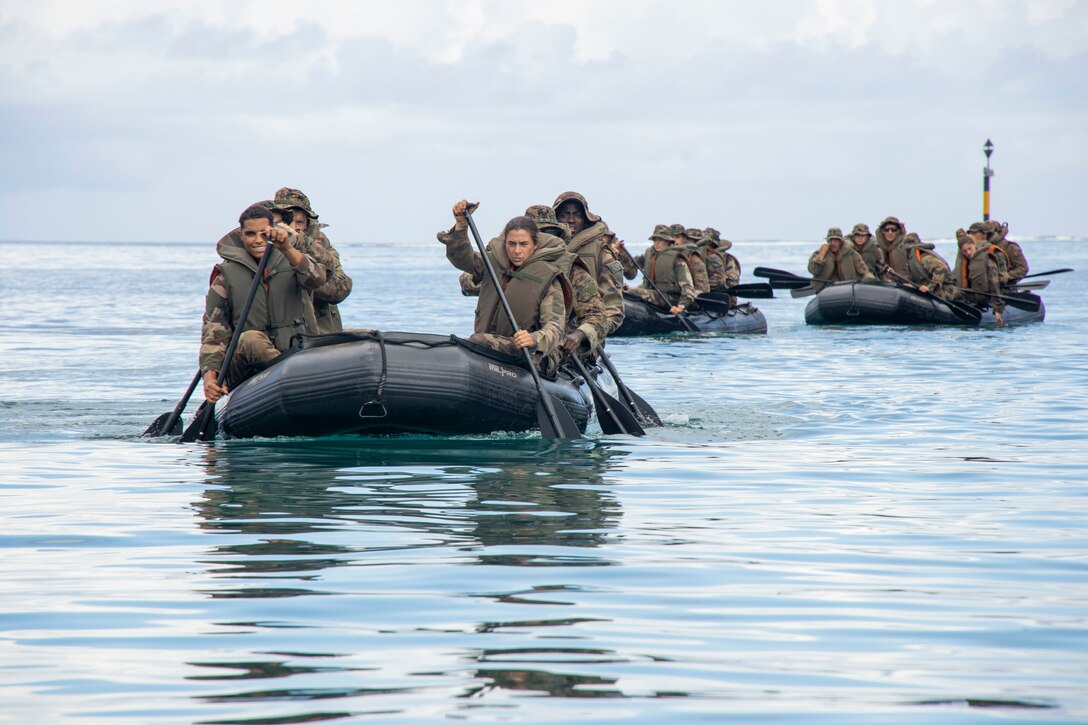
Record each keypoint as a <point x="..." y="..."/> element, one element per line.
<point x="988" y="147"/>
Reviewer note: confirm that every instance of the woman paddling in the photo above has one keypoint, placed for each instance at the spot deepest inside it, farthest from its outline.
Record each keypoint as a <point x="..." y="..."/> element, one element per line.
<point x="533" y="284"/>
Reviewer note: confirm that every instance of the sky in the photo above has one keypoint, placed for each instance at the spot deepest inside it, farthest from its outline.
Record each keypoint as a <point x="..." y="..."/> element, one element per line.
<point x="133" y="121"/>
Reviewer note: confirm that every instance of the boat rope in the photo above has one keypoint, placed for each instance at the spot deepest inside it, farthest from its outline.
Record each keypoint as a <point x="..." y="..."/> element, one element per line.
<point x="375" y="407"/>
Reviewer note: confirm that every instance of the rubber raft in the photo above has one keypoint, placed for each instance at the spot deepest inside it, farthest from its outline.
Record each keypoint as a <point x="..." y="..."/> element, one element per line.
<point x="885" y="303"/>
<point x="642" y="318"/>
<point x="371" y="382"/>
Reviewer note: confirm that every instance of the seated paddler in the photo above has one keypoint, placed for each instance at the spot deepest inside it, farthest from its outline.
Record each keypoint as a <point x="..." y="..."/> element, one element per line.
<point x="665" y="268"/>
<point x="281" y="308"/>
<point x="526" y="264"/>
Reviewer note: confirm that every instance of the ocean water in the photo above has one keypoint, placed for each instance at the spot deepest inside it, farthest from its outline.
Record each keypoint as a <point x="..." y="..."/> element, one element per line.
<point x="835" y="525"/>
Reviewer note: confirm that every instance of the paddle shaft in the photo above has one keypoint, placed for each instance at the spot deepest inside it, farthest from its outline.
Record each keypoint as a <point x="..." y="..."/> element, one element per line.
<point x="1023" y="303"/>
<point x="545" y="399"/>
<point x="1044" y="274"/>
<point x="686" y="322"/>
<point x="175" y="414"/>
<point x="207" y="410"/>
<point x="963" y="311"/>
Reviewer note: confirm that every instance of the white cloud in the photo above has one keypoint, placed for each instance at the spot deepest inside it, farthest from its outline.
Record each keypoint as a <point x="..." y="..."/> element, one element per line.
<point x="688" y="108"/>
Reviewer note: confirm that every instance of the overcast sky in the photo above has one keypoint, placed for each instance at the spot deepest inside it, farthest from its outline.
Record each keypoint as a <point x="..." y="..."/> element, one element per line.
<point x="132" y="120"/>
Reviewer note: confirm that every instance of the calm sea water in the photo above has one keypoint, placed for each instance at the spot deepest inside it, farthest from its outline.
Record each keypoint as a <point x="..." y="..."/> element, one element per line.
<point x="870" y="525"/>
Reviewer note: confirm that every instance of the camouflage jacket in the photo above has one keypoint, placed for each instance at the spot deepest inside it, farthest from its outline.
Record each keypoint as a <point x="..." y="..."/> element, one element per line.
<point x="845" y="266"/>
<point x="715" y="266"/>
<point x="283" y="309"/>
<point x="926" y="267"/>
<point x="553" y="307"/>
<point x="337" y="285"/>
<point x="700" y="278"/>
<point x="872" y="255"/>
<point x="979" y="274"/>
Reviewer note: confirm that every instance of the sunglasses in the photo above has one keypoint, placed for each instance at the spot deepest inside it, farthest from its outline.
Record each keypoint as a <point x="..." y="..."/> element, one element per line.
<point x="890" y="229"/>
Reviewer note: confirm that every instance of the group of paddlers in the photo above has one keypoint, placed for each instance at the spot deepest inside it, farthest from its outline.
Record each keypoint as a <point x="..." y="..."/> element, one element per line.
<point x="987" y="261"/>
<point x="560" y="270"/>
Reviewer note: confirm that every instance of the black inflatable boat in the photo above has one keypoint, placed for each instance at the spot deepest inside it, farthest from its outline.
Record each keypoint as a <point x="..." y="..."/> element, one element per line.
<point x="370" y="382"/>
<point x="886" y="303"/>
<point x="642" y="318"/>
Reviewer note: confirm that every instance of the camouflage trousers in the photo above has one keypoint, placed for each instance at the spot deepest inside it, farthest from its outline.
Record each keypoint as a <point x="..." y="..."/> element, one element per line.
<point x="254" y="348"/>
<point x="547" y="364"/>
<point x="645" y="293"/>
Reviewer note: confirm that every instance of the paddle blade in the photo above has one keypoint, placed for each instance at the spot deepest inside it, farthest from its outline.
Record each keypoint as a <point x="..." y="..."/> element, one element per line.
<point x="567" y="428"/>
<point x="768" y="272"/>
<point x="806" y="291"/>
<point x="709" y="303"/>
<point x="1027" y="286"/>
<point x="1027" y="302"/>
<point x="788" y="282"/>
<point x="967" y="313"/>
<point x="611" y="413"/>
<point x="203" y="426"/>
<point x="158" y="426"/>
<point x="627" y="419"/>
<point x="643" y="410"/>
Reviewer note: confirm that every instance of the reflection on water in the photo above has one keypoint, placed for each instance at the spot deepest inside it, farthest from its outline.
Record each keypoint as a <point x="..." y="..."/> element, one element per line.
<point x="300" y="509"/>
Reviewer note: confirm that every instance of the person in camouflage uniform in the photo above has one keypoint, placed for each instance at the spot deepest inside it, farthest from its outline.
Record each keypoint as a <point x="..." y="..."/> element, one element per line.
<point x="926" y="269"/>
<point x="892" y="244"/>
<point x="979" y="233"/>
<point x="279" y="314"/>
<point x="538" y="293"/>
<point x="587" y="325"/>
<point x="870" y="251"/>
<point x="696" y="263"/>
<point x="715" y="260"/>
<point x="976" y="270"/>
<point x="1016" y="263"/>
<point x="836" y="261"/>
<point x="591" y="240"/>
<point x="666" y="266"/>
<point x="338" y="287"/>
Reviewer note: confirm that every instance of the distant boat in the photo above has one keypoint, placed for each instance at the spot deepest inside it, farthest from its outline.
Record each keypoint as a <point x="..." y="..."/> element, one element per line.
<point x="642" y="318"/>
<point x="886" y="303"/>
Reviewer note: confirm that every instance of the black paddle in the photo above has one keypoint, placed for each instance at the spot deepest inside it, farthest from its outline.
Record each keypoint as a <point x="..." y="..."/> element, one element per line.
<point x="554" y="420"/>
<point x="203" y="426"/>
<point x="797" y="285"/>
<point x="752" y="290"/>
<point x="683" y="320"/>
<point x="1026" y="286"/>
<point x="967" y="313"/>
<point x="643" y="410"/>
<point x="767" y="272"/>
<point x="1044" y="274"/>
<point x="170" y="423"/>
<point x="611" y="413"/>
<point x="1029" y="303"/>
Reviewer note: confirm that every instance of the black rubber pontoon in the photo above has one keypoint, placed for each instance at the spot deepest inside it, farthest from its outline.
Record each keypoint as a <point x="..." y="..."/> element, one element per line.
<point x="370" y="382"/>
<point x="642" y="318"/>
<point x="886" y="303"/>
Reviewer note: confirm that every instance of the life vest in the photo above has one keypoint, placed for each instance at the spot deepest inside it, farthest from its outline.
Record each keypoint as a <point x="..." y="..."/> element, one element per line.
<point x="281" y="308"/>
<point x="699" y="277"/>
<point x="587" y="244"/>
<point x="660" y="268"/>
<point x="916" y="268"/>
<point x="525" y="289"/>
<point x="974" y="275"/>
